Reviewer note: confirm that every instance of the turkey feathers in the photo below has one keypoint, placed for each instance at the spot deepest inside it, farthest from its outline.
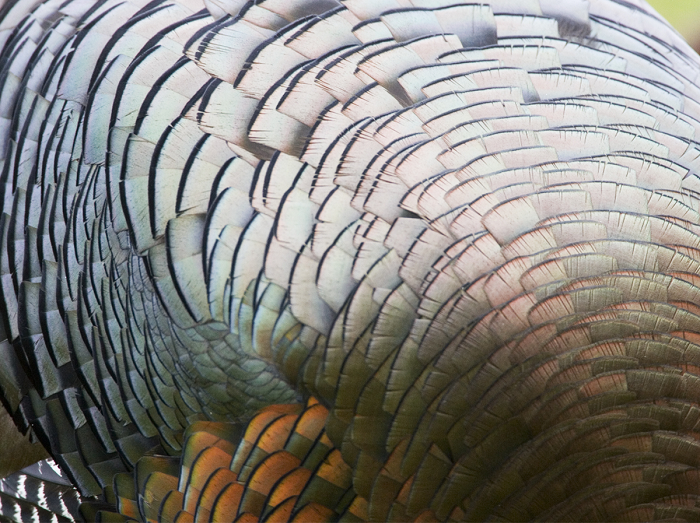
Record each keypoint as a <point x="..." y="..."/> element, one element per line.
<point x="323" y="260"/>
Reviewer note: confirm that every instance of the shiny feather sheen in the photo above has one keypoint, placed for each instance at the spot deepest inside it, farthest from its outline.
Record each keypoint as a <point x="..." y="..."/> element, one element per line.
<point x="387" y="260"/>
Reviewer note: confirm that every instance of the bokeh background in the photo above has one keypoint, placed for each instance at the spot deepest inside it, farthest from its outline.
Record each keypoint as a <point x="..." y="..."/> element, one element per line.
<point x="684" y="15"/>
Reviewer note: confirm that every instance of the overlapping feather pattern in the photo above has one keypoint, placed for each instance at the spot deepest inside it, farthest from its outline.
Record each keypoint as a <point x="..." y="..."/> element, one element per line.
<point x="464" y="235"/>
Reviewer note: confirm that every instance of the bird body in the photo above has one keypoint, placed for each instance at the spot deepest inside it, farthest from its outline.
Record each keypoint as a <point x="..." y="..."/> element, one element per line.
<point x="421" y="260"/>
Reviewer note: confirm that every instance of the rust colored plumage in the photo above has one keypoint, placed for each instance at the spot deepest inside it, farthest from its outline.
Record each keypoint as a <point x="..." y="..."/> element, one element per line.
<point x="282" y="468"/>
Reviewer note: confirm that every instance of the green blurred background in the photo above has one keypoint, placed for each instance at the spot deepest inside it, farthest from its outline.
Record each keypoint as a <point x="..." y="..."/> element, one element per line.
<point x="684" y="15"/>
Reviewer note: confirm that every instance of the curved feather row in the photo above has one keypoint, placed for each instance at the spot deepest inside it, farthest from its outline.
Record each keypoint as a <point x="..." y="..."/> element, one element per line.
<point x="281" y="467"/>
<point x="470" y="231"/>
<point x="39" y="492"/>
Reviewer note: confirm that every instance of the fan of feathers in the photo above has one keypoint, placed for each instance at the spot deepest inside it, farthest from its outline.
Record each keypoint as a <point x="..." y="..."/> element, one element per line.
<point x="348" y="260"/>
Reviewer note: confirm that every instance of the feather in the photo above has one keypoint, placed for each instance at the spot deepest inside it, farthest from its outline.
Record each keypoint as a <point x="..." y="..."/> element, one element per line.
<point x="468" y="231"/>
<point x="511" y="25"/>
<point x="184" y="248"/>
<point x="225" y="113"/>
<point x="325" y="33"/>
<point x="303" y="86"/>
<point x="223" y="49"/>
<point x="220" y="8"/>
<point x="385" y="65"/>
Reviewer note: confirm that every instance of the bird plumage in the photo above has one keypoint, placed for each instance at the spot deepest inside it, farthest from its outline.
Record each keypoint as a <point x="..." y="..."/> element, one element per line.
<point x="358" y="260"/>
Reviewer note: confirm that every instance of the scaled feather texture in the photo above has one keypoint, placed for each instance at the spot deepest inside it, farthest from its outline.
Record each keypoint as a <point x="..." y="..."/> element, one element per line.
<point x="350" y="260"/>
